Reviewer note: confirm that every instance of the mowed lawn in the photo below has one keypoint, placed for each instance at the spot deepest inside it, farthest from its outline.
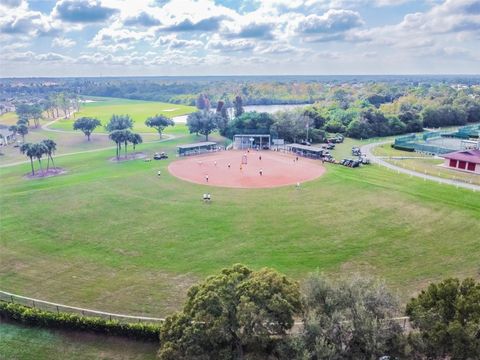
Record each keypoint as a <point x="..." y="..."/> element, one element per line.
<point x="117" y="237"/>
<point x="139" y="110"/>
<point x="8" y="119"/>
<point x="22" y="342"/>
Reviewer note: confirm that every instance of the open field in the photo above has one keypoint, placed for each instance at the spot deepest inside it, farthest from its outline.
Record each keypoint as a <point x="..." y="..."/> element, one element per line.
<point x="64" y="239"/>
<point x="137" y="109"/>
<point x="424" y="164"/>
<point x="20" y="342"/>
<point x="66" y="143"/>
<point x="8" y="119"/>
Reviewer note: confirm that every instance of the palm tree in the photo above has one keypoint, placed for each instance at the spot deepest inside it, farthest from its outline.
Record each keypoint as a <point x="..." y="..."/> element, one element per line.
<point x="117" y="136"/>
<point x="51" y="146"/>
<point x="28" y="149"/>
<point x="135" y="139"/>
<point x="40" y="150"/>
<point x="126" y="138"/>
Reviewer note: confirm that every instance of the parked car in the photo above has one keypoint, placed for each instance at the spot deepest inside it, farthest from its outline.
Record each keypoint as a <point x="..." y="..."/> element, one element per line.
<point x="328" y="158"/>
<point x="337" y="139"/>
<point x="356" y="151"/>
<point x="365" y="160"/>
<point x="160" y="156"/>
<point x="305" y="142"/>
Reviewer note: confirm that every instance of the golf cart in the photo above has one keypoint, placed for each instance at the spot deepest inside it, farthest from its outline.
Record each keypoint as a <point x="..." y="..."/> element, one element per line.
<point x="160" y="156"/>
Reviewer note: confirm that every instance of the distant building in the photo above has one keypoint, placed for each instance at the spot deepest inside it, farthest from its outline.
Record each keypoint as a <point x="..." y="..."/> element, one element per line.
<point x="6" y="107"/>
<point x="467" y="160"/>
<point x="6" y="137"/>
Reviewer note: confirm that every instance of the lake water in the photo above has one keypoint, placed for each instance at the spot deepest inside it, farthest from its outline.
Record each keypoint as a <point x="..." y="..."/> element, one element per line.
<point x="258" y="108"/>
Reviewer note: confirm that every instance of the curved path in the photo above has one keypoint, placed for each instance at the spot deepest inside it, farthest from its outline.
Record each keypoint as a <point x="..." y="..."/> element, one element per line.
<point x="167" y="138"/>
<point x="367" y="149"/>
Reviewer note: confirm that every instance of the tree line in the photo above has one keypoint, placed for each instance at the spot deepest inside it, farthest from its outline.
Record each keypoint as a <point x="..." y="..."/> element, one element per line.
<point x="357" y="114"/>
<point x="246" y="314"/>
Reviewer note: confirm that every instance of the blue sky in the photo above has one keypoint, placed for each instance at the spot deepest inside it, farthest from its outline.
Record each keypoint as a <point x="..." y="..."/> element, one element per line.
<point x="238" y="37"/>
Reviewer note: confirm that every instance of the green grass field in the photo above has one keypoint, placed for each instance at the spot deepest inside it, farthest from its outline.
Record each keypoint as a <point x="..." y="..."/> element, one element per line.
<point x="139" y="110"/>
<point x="8" y="119"/>
<point x="24" y="343"/>
<point x="116" y="237"/>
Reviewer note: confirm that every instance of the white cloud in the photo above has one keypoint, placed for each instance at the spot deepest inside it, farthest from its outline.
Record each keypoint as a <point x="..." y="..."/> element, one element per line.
<point x="63" y="42"/>
<point x="231" y="45"/>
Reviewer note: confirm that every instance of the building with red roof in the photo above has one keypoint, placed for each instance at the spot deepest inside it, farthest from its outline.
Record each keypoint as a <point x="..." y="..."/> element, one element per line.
<point x="465" y="160"/>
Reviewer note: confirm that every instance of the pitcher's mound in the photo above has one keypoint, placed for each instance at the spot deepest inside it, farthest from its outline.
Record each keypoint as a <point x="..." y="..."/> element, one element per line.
<point x="278" y="169"/>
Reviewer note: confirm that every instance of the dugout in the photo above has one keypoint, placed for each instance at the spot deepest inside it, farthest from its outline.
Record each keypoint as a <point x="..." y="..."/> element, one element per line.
<point x="251" y="141"/>
<point x="306" y="151"/>
<point x="196" y="148"/>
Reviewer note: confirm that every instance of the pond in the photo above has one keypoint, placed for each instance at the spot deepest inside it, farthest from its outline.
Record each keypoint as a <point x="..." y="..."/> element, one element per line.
<point x="259" y="108"/>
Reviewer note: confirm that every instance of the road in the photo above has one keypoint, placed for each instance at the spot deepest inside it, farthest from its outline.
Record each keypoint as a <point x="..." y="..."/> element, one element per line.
<point x="367" y="149"/>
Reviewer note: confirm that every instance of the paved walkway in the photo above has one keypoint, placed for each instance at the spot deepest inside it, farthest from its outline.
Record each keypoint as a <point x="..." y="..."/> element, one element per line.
<point x="367" y="149"/>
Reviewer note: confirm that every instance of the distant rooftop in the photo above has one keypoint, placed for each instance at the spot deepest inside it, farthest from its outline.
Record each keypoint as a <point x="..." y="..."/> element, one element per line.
<point x="305" y="147"/>
<point x="472" y="156"/>
<point x="196" y="145"/>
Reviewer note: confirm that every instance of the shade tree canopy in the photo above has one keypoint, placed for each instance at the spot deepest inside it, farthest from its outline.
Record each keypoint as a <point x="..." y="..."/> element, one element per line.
<point x="119" y="122"/>
<point x="159" y="123"/>
<point x="230" y="315"/>
<point x="203" y="122"/>
<point x="87" y="125"/>
<point x="446" y="317"/>
<point x="349" y="319"/>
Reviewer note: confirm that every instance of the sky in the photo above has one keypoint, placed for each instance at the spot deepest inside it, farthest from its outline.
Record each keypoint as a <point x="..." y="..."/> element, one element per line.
<point x="238" y="37"/>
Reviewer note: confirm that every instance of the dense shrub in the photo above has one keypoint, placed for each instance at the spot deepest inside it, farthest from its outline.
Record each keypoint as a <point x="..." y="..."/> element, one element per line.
<point x="61" y="320"/>
<point x="446" y="317"/>
<point x="398" y="147"/>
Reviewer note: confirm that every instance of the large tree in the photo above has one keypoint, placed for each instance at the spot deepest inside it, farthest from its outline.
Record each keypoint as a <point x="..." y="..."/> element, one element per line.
<point x="250" y="122"/>
<point x="40" y="149"/>
<point x="29" y="150"/>
<point x="236" y="313"/>
<point x="447" y="318"/>
<point x="50" y="147"/>
<point x="159" y="122"/>
<point x="135" y="139"/>
<point x="349" y="319"/>
<point x="87" y="125"/>
<point x="238" y="106"/>
<point x="203" y="103"/>
<point x="444" y="115"/>
<point x="22" y="129"/>
<point x="36" y="114"/>
<point x="117" y="136"/>
<point x="119" y="122"/>
<point x="202" y="122"/>
<point x="223" y="117"/>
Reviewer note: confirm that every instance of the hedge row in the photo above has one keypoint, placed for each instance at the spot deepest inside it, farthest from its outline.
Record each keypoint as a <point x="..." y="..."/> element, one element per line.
<point x="61" y="320"/>
<point x="404" y="148"/>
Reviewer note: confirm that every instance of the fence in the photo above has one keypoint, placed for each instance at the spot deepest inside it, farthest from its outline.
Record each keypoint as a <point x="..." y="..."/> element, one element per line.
<point x="54" y="307"/>
<point x="425" y="143"/>
<point x="403" y="321"/>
